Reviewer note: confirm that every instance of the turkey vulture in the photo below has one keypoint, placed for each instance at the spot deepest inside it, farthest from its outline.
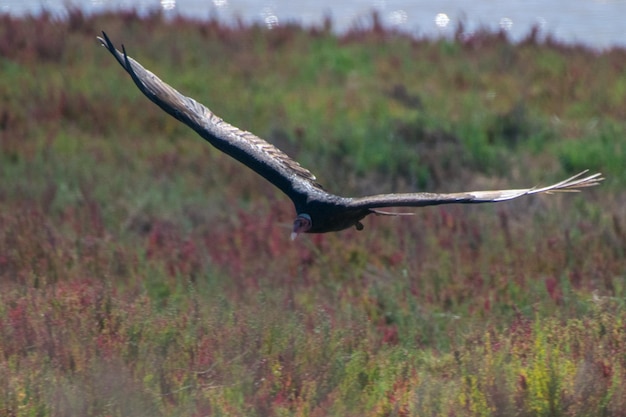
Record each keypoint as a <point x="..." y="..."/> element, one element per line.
<point x="317" y="210"/>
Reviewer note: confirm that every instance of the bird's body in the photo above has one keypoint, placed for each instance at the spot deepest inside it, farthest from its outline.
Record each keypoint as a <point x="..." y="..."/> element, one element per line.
<point x="318" y="211"/>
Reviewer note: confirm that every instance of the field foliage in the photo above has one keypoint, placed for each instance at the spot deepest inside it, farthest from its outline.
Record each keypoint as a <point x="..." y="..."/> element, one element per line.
<point x="143" y="272"/>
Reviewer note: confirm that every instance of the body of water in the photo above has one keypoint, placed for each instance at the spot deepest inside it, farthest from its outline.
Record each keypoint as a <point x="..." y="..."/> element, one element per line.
<point x="596" y="23"/>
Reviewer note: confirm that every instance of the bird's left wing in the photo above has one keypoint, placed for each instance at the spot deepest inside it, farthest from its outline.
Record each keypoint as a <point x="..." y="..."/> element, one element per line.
<point x="572" y="184"/>
<point x="259" y="155"/>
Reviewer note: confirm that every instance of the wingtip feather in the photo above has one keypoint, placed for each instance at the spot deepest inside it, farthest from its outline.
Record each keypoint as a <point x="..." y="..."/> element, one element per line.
<point x="572" y="184"/>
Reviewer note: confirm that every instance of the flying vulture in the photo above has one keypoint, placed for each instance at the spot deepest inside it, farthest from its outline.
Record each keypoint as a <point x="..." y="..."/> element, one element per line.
<point x="318" y="211"/>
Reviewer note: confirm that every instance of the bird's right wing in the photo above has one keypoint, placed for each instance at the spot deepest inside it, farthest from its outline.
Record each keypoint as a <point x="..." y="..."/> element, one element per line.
<point x="259" y="155"/>
<point x="572" y="184"/>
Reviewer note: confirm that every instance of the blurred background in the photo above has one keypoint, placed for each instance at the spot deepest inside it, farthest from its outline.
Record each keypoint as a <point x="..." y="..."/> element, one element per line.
<point x="597" y="23"/>
<point x="144" y="272"/>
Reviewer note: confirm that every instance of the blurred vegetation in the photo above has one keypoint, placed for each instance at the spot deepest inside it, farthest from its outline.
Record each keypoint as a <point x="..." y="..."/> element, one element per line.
<point x="145" y="273"/>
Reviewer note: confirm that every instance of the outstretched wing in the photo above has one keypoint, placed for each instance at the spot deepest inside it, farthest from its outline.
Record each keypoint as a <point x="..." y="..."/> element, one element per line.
<point x="259" y="155"/>
<point x="572" y="184"/>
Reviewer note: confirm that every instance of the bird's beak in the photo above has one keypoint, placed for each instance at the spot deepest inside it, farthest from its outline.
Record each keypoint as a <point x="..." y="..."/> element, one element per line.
<point x="294" y="235"/>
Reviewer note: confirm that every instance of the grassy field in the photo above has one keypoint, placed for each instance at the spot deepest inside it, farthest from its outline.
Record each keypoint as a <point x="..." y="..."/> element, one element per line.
<point x="144" y="273"/>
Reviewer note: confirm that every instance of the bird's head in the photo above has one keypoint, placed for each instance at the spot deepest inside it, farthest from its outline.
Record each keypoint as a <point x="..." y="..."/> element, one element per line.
<point x="301" y="225"/>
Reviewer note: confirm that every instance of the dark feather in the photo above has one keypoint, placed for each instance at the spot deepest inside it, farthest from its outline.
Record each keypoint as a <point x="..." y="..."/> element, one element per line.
<point x="572" y="184"/>
<point x="318" y="210"/>
<point x="259" y="155"/>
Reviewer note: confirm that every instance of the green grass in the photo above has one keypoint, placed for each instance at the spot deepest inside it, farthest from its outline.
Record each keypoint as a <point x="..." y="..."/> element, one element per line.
<point x="145" y="273"/>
